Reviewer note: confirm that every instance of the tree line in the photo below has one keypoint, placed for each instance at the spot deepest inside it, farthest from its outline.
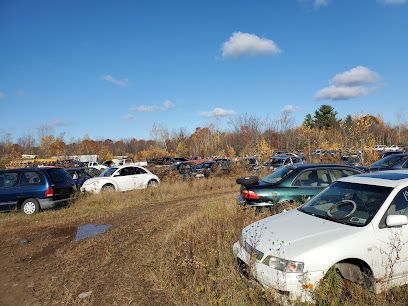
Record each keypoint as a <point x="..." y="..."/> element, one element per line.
<point x="246" y="135"/>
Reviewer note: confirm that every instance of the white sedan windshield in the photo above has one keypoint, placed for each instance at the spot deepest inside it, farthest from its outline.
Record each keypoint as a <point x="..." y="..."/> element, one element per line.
<point x="347" y="203"/>
<point x="108" y="172"/>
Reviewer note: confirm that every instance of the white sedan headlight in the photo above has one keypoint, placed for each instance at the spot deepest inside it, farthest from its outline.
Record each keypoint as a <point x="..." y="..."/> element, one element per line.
<point x="283" y="264"/>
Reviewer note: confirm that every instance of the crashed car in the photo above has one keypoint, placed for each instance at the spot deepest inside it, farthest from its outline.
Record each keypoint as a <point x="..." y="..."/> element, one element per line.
<point x="282" y="160"/>
<point x="391" y="162"/>
<point x="250" y="163"/>
<point x="121" y="178"/>
<point x="358" y="226"/>
<point x="79" y="176"/>
<point x="290" y="183"/>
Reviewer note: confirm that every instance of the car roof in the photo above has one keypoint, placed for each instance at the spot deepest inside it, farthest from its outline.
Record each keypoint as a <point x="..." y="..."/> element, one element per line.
<point x="282" y="156"/>
<point x="129" y="165"/>
<point x="75" y="169"/>
<point x="389" y="178"/>
<point x="31" y="169"/>
<point x="307" y="166"/>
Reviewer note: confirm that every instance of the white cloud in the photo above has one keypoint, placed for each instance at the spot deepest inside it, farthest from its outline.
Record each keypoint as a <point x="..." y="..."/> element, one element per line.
<point x="143" y="108"/>
<point x="290" y="108"/>
<point x="2" y="95"/>
<point x="342" y="92"/>
<point x="240" y="44"/>
<point x="356" y="82"/>
<point x="59" y="122"/>
<point x="217" y="113"/>
<point x="359" y="75"/>
<point x="128" y="117"/>
<point x="112" y="80"/>
<point x="392" y="2"/>
<point x="168" y="104"/>
<point x="319" y="3"/>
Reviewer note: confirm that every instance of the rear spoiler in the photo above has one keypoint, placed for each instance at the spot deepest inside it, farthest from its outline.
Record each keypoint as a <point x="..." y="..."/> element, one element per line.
<point x="248" y="181"/>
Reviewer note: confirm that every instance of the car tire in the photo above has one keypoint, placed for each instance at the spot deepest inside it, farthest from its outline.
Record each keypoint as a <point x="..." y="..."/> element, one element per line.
<point x="30" y="206"/>
<point x="152" y="184"/>
<point x="108" y="188"/>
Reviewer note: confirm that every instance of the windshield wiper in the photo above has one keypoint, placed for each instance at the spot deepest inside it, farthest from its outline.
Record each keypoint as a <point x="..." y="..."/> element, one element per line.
<point x="322" y="216"/>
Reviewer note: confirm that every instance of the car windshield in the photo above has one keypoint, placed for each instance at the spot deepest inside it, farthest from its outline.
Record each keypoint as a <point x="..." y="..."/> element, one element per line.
<point x="278" y="161"/>
<point x="108" y="172"/>
<point x="277" y="175"/>
<point x="347" y="203"/>
<point x="387" y="161"/>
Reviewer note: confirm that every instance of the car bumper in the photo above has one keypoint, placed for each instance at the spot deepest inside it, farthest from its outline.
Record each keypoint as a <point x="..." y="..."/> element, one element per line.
<point x="90" y="188"/>
<point x="49" y="203"/>
<point x="293" y="285"/>
<point x="241" y="201"/>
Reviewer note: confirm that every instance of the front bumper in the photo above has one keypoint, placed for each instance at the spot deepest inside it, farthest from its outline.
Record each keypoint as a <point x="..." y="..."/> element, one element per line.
<point x="291" y="284"/>
<point x="90" y="188"/>
<point x="241" y="201"/>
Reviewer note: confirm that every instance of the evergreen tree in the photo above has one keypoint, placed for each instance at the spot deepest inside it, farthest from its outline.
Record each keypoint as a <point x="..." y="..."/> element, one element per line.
<point x="325" y="117"/>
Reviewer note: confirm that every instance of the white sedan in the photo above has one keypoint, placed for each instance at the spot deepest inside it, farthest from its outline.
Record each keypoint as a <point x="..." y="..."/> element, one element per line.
<point x="121" y="179"/>
<point x="358" y="225"/>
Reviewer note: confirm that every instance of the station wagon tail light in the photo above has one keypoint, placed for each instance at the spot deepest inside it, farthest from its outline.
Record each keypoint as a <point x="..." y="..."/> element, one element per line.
<point x="250" y="195"/>
<point x="49" y="192"/>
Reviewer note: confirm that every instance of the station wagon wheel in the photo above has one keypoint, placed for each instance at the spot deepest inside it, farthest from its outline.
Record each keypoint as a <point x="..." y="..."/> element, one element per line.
<point x="335" y="209"/>
<point x="30" y="206"/>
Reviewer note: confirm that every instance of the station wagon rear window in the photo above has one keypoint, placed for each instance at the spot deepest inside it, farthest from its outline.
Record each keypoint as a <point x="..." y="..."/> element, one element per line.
<point x="58" y="176"/>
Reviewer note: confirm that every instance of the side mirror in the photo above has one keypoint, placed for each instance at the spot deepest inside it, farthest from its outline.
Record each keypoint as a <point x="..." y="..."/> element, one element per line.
<point x="396" y="220"/>
<point x="116" y="174"/>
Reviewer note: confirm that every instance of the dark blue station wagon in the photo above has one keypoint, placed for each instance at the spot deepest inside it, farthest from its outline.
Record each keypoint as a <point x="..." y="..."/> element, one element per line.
<point x="33" y="189"/>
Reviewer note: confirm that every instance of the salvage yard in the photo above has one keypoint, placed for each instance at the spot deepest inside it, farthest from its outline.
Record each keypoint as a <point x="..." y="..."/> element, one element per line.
<point x="122" y="266"/>
<point x="169" y="245"/>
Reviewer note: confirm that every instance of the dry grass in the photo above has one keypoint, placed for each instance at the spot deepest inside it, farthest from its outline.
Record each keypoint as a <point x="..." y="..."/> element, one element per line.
<point x="168" y="246"/>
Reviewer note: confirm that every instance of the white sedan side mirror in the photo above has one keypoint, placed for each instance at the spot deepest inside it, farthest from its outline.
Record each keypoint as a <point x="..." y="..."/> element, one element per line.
<point x="396" y="220"/>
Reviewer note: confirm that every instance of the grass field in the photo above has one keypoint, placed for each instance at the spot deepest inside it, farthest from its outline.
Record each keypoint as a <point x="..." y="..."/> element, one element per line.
<point x="167" y="246"/>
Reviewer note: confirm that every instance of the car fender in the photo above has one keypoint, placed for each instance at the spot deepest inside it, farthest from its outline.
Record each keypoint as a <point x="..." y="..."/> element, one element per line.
<point x="105" y="181"/>
<point x="149" y="178"/>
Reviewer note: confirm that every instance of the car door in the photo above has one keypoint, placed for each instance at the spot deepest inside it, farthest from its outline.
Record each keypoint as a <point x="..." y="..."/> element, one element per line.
<point x="391" y="250"/>
<point x="124" y="178"/>
<point x="310" y="182"/>
<point x="139" y="178"/>
<point x="9" y="190"/>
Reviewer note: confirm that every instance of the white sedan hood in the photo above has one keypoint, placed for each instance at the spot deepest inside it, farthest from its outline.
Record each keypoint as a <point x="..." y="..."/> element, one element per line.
<point x="292" y="233"/>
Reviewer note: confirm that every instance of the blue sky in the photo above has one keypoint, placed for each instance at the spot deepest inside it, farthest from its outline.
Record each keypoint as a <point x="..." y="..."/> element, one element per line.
<point x="111" y="69"/>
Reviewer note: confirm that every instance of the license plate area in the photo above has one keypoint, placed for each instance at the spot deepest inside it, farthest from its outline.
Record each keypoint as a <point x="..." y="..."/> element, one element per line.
<point x="243" y="268"/>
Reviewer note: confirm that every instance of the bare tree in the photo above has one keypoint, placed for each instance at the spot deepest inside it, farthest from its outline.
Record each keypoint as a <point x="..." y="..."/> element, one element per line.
<point x="27" y="143"/>
<point x="160" y="134"/>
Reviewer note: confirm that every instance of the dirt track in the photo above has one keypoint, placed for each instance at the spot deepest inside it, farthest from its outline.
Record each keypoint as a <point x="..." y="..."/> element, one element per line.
<point x="117" y="266"/>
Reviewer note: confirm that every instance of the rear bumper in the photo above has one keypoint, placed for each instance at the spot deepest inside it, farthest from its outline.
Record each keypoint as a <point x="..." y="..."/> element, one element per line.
<point x="241" y="201"/>
<point x="49" y="203"/>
